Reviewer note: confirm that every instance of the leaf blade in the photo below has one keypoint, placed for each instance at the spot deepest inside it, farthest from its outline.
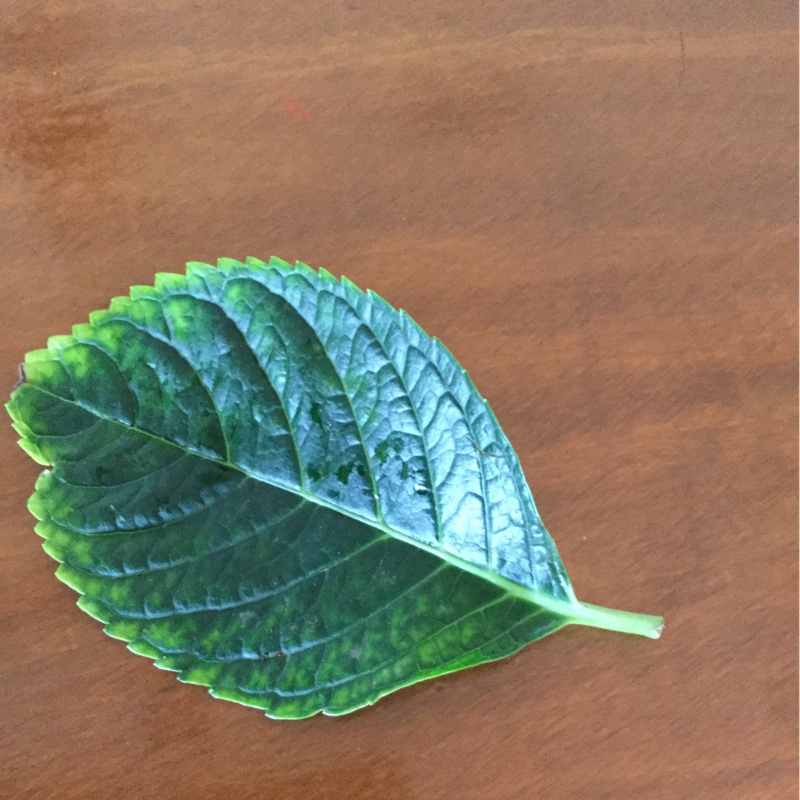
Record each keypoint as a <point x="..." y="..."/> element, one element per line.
<point x="251" y="390"/>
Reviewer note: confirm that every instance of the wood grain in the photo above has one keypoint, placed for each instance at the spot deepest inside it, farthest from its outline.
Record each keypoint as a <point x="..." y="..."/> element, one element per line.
<point x="594" y="206"/>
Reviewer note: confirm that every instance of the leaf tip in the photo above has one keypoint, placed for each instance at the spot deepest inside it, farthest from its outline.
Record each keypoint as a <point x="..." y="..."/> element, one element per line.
<point x="21" y="378"/>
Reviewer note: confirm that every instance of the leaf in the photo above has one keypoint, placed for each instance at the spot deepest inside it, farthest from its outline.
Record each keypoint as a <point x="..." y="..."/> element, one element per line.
<point x="280" y="487"/>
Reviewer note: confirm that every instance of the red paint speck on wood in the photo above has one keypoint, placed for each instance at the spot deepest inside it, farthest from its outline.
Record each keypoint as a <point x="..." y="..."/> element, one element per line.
<point x="291" y="107"/>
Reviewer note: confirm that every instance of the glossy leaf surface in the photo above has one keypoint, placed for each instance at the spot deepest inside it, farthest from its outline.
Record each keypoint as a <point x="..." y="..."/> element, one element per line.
<point x="280" y="487"/>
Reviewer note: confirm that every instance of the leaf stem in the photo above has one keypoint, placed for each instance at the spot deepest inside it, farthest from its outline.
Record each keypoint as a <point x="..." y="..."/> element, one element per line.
<point x="611" y="619"/>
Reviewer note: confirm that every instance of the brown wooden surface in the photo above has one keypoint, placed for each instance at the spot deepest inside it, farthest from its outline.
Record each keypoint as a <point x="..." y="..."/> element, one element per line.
<point x="594" y="206"/>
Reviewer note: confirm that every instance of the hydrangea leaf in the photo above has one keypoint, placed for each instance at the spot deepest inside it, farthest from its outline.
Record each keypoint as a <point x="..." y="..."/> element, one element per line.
<point x="281" y="488"/>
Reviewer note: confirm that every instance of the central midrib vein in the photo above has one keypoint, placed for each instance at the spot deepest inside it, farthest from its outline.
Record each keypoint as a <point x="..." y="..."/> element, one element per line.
<point x="571" y="611"/>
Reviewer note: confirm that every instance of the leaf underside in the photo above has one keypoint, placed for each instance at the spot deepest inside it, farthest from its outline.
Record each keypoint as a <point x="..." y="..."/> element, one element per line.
<point x="280" y="487"/>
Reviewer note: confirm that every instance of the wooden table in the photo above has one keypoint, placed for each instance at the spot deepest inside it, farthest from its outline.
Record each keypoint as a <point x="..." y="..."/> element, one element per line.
<point x="594" y="206"/>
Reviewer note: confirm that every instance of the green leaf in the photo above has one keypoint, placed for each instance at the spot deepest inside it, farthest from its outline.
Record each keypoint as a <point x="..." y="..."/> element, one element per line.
<point x="280" y="487"/>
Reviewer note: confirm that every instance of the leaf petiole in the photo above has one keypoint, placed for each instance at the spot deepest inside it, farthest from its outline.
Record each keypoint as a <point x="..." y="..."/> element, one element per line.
<point x="612" y="619"/>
